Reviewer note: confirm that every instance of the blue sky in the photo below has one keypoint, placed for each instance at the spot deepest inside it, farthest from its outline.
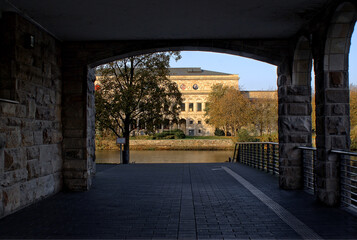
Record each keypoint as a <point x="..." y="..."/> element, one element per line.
<point x="254" y="75"/>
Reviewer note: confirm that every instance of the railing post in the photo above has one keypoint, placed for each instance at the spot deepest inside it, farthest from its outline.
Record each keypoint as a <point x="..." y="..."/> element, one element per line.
<point x="268" y="157"/>
<point x="263" y="155"/>
<point x="273" y="145"/>
<point x="235" y="152"/>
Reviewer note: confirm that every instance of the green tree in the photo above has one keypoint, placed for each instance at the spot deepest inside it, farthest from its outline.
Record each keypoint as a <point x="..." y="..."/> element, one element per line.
<point x="228" y="108"/>
<point x="136" y="88"/>
<point x="265" y="111"/>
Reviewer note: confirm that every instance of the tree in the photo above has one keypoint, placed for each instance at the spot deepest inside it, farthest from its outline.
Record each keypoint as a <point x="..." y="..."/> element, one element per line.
<point x="228" y="108"/>
<point x="265" y="111"/>
<point x="136" y="88"/>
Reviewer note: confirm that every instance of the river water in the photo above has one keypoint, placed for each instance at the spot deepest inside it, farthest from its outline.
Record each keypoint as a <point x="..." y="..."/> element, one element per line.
<point x="136" y="156"/>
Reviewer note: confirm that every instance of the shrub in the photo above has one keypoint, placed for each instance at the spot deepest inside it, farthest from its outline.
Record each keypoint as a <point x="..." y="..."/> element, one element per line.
<point x="174" y="134"/>
<point x="244" y="136"/>
<point x="219" y="132"/>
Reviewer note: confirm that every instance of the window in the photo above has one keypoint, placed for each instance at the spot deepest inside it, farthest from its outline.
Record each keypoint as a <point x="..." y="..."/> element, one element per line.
<point x="190" y="107"/>
<point x="207" y="106"/>
<point x="199" y="122"/>
<point x="199" y="131"/>
<point x="199" y="107"/>
<point x="183" y="107"/>
<point x="191" y="121"/>
<point x="7" y="89"/>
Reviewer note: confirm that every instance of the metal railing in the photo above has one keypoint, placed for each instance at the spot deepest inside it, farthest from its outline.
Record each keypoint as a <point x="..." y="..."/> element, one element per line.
<point x="348" y="178"/>
<point x="309" y="160"/>
<point x="261" y="155"/>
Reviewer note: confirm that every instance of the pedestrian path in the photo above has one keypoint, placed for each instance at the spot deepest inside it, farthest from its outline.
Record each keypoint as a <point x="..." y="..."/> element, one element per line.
<point x="184" y="201"/>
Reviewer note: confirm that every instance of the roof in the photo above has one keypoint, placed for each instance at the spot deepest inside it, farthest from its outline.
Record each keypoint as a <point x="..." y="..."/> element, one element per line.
<point x="193" y="71"/>
<point x="97" y="20"/>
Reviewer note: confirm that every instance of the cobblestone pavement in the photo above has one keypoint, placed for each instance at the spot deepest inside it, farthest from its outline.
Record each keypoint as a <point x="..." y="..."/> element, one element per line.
<point x="170" y="201"/>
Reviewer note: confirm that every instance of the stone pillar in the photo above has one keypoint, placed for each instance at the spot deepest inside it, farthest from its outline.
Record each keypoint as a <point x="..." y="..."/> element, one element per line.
<point x="2" y="161"/>
<point x="332" y="102"/>
<point x="294" y="127"/>
<point x="78" y="124"/>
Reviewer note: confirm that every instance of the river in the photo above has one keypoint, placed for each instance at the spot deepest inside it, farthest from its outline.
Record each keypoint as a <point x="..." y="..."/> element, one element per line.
<point x="136" y="156"/>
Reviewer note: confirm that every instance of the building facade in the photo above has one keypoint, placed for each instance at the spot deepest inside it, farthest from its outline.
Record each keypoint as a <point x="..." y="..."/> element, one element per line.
<point x="195" y="85"/>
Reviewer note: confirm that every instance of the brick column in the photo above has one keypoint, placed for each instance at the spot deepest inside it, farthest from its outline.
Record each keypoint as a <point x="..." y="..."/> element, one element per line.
<point x="294" y="127"/>
<point x="78" y="125"/>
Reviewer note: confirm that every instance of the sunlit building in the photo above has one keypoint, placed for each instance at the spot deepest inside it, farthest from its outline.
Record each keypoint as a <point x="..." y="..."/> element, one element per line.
<point x="195" y="85"/>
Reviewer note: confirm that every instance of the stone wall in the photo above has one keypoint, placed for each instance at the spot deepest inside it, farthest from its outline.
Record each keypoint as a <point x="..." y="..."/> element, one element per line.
<point x="30" y="126"/>
<point x="78" y="121"/>
<point x="192" y="144"/>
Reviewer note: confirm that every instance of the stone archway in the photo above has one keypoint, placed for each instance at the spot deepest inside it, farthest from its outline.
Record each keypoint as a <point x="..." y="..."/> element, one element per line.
<point x="332" y="101"/>
<point x="294" y="114"/>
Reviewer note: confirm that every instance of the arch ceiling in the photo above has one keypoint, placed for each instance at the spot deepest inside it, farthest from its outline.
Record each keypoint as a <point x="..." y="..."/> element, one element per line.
<point x="97" y="20"/>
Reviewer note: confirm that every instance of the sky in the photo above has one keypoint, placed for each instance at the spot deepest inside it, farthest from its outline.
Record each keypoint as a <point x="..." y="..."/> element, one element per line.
<point x="254" y="75"/>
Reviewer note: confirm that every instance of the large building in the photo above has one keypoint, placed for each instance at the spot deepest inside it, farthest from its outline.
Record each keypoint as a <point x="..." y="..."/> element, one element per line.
<point x="195" y="85"/>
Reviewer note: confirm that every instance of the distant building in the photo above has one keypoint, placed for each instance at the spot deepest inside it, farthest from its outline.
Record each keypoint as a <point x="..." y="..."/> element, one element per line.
<point x="195" y="84"/>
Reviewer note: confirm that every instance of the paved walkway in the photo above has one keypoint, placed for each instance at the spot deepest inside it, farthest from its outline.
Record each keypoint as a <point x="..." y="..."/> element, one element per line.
<point x="186" y="201"/>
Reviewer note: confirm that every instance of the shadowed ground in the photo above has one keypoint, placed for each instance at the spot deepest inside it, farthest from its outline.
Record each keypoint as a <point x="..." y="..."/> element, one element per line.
<point x="176" y="201"/>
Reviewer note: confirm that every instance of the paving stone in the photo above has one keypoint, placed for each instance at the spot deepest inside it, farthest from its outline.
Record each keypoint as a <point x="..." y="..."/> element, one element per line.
<point x="170" y="201"/>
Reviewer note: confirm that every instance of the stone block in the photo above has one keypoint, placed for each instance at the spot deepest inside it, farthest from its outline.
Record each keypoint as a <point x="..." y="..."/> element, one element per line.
<point x="337" y="62"/>
<point x="33" y="153"/>
<point x="28" y="192"/>
<point x="27" y="138"/>
<point x="46" y="186"/>
<point x="75" y="165"/>
<point x="346" y="17"/>
<point x="7" y="109"/>
<point x="13" y="177"/>
<point x="77" y="184"/>
<point x="39" y="96"/>
<point x="337" y="125"/>
<point x="15" y="158"/>
<point x="337" y="79"/>
<point x="74" y="154"/>
<point x="33" y="168"/>
<point x="1" y="203"/>
<point x="13" y="138"/>
<point x="46" y="168"/>
<point x="31" y="109"/>
<point x="304" y="139"/>
<point x="74" y="143"/>
<point x="338" y="45"/>
<point x="58" y="181"/>
<point x="14" y="122"/>
<point x="290" y="178"/>
<point x="337" y="96"/>
<point x="20" y="111"/>
<point x="75" y="174"/>
<point x="289" y="151"/>
<point x="339" y="30"/>
<point x="339" y="142"/>
<point x="57" y="165"/>
<point x="294" y="124"/>
<point x="49" y="152"/>
<point x="298" y="109"/>
<point x="45" y="113"/>
<point x="38" y="137"/>
<point x="11" y="198"/>
<point x="338" y="109"/>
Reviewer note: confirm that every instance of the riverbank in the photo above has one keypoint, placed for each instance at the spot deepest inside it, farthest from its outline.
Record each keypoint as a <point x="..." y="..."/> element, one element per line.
<point x="171" y="144"/>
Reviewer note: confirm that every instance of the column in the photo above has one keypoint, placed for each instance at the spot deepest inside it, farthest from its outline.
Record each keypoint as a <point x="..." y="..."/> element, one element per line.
<point x="294" y="127"/>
